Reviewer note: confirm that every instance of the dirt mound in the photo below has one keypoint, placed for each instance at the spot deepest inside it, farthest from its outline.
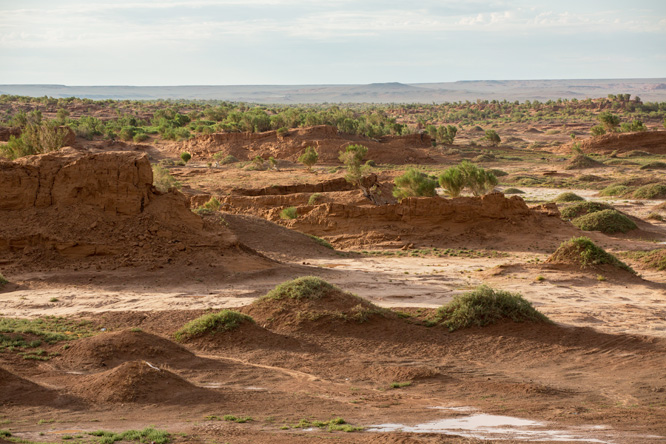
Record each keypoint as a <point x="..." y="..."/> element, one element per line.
<point x="274" y="240"/>
<point x="582" y="253"/>
<point x="103" y="208"/>
<point x="140" y="382"/>
<point x="325" y="139"/>
<point x="108" y="350"/>
<point x="310" y="302"/>
<point x="581" y="162"/>
<point x="17" y="390"/>
<point x="491" y="222"/>
<point x="653" y="142"/>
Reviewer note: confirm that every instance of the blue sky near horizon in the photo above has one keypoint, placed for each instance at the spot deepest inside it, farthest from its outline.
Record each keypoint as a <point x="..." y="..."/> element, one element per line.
<point x="234" y="42"/>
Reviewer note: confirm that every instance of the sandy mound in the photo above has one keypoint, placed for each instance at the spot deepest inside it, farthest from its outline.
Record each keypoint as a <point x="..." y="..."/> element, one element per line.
<point x="653" y="142"/>
<point x="17" y="390"/>
<point x="311" y="303"/>
<point x="102" y="209"/>
<point x="325" y="139"/>
<point x="108" y="350"/>
<point x="492" y="222"/>
<point x="140" y="382"/>
<point x="582" y="253"/>
<point x="581" y="162"/>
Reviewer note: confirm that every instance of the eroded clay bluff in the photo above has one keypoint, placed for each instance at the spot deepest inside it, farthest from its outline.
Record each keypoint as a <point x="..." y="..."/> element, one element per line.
<point x="490" y="221"/>
<point x="325" y="139"/>
<point x="653" y="142"/>
<point x="73" y="204"/>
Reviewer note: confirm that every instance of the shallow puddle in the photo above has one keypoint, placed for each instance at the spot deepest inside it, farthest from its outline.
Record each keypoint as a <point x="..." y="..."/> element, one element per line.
<point x="482" y="426"/>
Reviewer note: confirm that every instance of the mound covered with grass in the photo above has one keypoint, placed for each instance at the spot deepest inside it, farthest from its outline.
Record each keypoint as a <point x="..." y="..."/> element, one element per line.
<point x="513" y="191"/>
<point x="108" y="350"/>
<point x="583" y="253"/>
<point x="484" y="306"/>
<point x="581" y="162"/>
<point x="140" y="382"/>
<point x="652" y="191"/>
<point x="606" y="221"/>
<point x="309" y="300"/>
<point x="583" y="208"/>
<point x="654" y="259"/>
<point x="225" y="320"/>
<point x="568" y="197"/>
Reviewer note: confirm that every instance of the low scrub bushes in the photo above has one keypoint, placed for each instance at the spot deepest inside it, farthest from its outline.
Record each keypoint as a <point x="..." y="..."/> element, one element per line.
<point x="225" y="320"/>
<point x="606" y="221"/>
<point x="414" y="183"/>
<point x="484" y="306"/>
<point x="467" y="175"/>
<point x="583" y="208"/>
<point x="513" y="191"/>
<point x="568" y="197"/>
<point x="162" y="180"/>
<point x="585" y="253"/>
<point x="289" y="213"/>
<point x="652" y="191"/>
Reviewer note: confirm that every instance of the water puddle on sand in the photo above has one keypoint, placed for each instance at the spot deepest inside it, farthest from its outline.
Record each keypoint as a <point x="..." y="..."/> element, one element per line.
<point x="482" y="426"/>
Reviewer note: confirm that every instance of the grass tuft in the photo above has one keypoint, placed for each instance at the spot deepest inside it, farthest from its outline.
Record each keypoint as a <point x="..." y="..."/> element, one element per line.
<point x="568" y="197"/>
<point x="484" y="306"/>
<point x="307" y="287"/>
<point x="320" y="241"/>
<point x="148" y="435"/>
<point x="225" y="320"/>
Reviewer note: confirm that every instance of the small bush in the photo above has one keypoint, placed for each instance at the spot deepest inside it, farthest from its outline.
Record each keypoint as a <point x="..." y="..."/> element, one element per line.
<point x="583" y="208"/>
<point x="584" y="252"/>
<point x="225" y="160"/>
<point x="484" y="306"/>
<point x="289" y="213"/>
<point x="606" y="221"/>
<point x="598" y="130"/>
<point x="513" y="191"/>
<point x="162" y="180"/>
<point x="314" y="198"/>
<point x="3" y="280"/>
<point x="307" y="287"/>
<point x="140" y="137"/>
<point x="185" y="156"/>
<point x="414" y="183"/>
<point x="213" y="204"/>
<point x="309" y="157"/>
<point x="35" y="139"/>
<point x="614" y="190"/>
<point x="492" y="137"/>
<point x="652" y="191"/>
<point x="568" y="197"/>
<point x="225" y="320"/>
<point x="467" y="175"/>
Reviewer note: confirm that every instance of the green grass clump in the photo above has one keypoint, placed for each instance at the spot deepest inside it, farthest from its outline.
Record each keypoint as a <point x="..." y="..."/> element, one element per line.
<point x="225" y="160"/>
<point x="148" y="435"/>
<point x="15" y="333"/>
<point x="654" y="166"/>
<point x="397" y="385"/>
<point x="237" y="419"/>
<point x="225" y="320"/>
<point x="653" y="259"/>
<point x="289" y="213"/>
<point x="652" y="191"/>
<point x="615" y="190"/>
<point x="484" y="306"/>
<point x="314" y="198"/>
<point x="582" y="251"/>
<point x="5" y="433"/>
<point x="582" y="208"/>
<point x="333" y="425"/>
<point x="568" y="197"/>
<point x="3" y="280"/>
<point x="307" y="287"/>
<point x="513" y="191"/>
<point x="162" y="180"/>
<point x="320" y="241"/>
<point x="606" y="221"/>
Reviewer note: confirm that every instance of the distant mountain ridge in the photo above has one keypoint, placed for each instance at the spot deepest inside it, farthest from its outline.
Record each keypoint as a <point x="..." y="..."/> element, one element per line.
<point x="390" y="92"/>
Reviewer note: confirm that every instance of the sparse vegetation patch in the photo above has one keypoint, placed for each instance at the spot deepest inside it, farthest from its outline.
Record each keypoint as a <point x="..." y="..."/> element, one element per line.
<point x="585" y="253"/>
<point x="606" y="221"/>
<point x="222" y="321"/>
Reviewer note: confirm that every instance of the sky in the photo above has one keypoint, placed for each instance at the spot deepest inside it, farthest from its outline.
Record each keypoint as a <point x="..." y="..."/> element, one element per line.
<point x="299" y="42"/>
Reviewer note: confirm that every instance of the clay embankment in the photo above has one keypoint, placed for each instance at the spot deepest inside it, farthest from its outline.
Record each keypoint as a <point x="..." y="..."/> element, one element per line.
<point x="69" y="205"/>
<point x="653" y="142"/>
<point x="328" y="142"/>
<point x="492" y="221"/>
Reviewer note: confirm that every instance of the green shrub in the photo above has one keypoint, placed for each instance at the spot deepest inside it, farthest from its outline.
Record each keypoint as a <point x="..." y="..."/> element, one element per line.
<point x="634" y="126"/>
<point x="307" y="287"/>
<point x="467" y="175"/>
<point x="162" y="180"/>
<point x="414" y="183"/>
<point x="492" y="137"/>
<point x="225" y="160"/>
<point x="289" y="213"/>
<point x="598" y="130"/>
<point x="484" y="306"/>
<point x="35" y="139"/>
<point x="513" y="191"/>
<point x="583" y="208"/>
<point x="606" y="221"/>
<point x="614" y="190"/>
<point x="453" y="181"/>
<point x="140" y="137"/>
<point x="314" y="198"/>
<point x="609" y="120"/>
<point x="568" y="197"/>
<point x="213" y="204"/>
<point x="582" y="251"/>
<point x="309" y="157"/>
<point x="225" y="320"/>
<point x="652" y="191"/>
<point x="3" y="280"/>
<point x="148" y="435"/>
<point x="185" y="156"/>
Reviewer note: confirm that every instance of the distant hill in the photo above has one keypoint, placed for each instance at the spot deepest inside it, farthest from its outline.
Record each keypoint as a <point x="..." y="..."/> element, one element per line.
<point x="394" y="92"/>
